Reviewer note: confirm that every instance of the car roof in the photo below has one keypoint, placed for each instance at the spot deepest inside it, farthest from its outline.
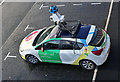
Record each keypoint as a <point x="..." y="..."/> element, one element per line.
<point x="82" y="32"/>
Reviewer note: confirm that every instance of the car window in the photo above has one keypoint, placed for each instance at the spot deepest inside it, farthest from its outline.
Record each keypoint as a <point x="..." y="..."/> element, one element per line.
<point x="43" y="36"/>
<point x="37" y="37"/>
<point x="69" y="45"/>
<point x="98" y="38"/>
<point x="52" y="45"/>
<point x="79" y="45"/>
<point x="66" y="45"/>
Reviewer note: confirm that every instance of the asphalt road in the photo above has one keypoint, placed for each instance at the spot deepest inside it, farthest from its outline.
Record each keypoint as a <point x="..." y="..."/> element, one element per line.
<point x="18" y="69"/>
<point x="111" y="69"/>
<point x="13" y="13"/>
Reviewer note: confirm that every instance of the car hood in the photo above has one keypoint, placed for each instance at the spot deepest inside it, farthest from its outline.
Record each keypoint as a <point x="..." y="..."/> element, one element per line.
<point x="29" y="39"/>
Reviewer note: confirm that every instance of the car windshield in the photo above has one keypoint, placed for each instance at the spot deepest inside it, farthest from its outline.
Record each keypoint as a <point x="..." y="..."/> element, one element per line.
<point x="44" y="35"/>
<point x="37" y="37"/>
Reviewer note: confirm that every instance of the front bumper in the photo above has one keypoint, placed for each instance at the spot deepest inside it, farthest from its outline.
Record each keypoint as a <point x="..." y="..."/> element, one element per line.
<point x="22" y="54"/>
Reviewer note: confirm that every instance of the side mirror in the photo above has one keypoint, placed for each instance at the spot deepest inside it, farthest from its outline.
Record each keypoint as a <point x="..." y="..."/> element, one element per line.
<point x="42" y="49"/>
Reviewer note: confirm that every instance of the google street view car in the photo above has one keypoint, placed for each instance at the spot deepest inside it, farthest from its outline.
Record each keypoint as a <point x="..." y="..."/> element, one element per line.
<point x="67" y="42"/>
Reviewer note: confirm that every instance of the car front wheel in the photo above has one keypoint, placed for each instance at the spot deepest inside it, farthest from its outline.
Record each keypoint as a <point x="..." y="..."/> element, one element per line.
<point x="87" y="64"/>
<point x="32" y="59"/>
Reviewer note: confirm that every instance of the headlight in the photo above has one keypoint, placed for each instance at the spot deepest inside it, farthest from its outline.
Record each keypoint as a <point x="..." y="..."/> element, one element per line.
<point x="21" y="49"/>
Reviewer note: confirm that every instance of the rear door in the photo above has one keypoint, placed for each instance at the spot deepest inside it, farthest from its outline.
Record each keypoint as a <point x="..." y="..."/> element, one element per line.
<point x="67" y="52"/>
<point x="51" y="52"/>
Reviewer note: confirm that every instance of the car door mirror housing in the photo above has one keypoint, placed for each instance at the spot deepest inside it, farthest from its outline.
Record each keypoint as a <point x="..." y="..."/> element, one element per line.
<point x="42" y="49"/>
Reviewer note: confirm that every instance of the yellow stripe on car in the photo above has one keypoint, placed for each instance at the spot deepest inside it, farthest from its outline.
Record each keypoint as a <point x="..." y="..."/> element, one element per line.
<point x="82" y="56"/>
<point x="90" y="49"/>
<point x="23" y="57"/>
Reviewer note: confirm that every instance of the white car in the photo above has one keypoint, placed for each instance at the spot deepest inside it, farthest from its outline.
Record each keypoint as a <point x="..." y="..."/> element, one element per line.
<point x="88" y="47"/>
<point x="67" y="43"/>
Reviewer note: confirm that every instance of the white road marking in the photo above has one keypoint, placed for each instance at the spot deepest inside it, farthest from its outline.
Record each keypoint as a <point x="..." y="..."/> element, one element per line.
<point x="9" y="56"/>
<point x="31" y="28"/>
<point x="60" y="5"/>
<point x="2" y="2"/>
<point x="95" y="74"/>
<point x="45" y="6"/>
<point x="109" y="14"/>
<point x="95" y="3"/>
<point x="18" y="25"/>
<point x="26" y="27"/>
<point x="76" y="4"/>
<point x="41" y="6"/>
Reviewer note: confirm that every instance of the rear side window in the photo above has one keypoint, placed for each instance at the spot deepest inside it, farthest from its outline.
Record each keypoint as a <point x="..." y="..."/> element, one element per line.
<point x="79" y="46"/>
<point x="52" y="45"/>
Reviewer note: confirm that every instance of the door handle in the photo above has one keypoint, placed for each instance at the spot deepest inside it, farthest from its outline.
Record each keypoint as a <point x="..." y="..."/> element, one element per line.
<point x="55" y="53"/>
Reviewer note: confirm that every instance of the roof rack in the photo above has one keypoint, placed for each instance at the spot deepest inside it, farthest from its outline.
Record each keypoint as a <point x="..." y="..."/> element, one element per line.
<point x="73" y="29"/>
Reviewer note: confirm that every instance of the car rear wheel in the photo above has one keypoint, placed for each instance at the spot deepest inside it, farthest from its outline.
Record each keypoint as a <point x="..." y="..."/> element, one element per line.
<point x="32" y="59"/>
<point x="87" y="64"/>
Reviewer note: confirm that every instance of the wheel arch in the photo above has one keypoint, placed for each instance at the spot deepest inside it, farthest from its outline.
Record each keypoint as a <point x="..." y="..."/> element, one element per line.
<point x="27" y="54"/>
<point x="87" y="59"/>
<point x="94" y="65"/>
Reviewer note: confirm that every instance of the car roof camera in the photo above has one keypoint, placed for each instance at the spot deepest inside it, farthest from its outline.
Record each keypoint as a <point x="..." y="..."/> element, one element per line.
<point x="60" y="20"/>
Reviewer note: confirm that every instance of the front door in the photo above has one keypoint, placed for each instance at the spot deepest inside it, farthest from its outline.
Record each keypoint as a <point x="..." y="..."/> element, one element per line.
<point x="51" y="52"/>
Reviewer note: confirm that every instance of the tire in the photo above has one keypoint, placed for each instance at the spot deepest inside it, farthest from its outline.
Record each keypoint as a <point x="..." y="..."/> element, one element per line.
<point x="32" y="59"/>
<point x="87" y="64"/>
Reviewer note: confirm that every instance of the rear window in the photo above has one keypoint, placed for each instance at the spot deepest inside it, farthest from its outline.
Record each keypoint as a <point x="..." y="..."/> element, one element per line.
<point x="98" y="37"/>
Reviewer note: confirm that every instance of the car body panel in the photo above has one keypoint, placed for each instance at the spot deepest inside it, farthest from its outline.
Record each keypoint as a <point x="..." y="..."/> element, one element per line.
<point x="52" y="56"/>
